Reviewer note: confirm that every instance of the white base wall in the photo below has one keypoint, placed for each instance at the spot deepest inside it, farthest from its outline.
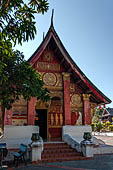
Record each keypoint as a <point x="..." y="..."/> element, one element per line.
<point x="76" y="132"/>
<point x="15" y="135"/>
<point x="105" y="149"/>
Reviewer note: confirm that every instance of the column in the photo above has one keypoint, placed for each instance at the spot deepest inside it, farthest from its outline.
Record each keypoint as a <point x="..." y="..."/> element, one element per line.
<point x="67" y="110"/>
<point x="31" y="111"/>
<point x="0" y="115"/>
<point x="86" y="110"/>
<point x="37" y="149"/>
<point x="8" y="117"/>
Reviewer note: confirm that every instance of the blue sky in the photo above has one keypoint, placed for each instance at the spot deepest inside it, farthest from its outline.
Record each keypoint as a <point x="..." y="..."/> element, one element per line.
<point x="85" y="27"/>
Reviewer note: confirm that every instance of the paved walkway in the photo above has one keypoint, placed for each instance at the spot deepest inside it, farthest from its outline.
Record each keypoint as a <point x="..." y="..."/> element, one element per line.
<point x="100" y="162"/>
<point x="107" y="139"/>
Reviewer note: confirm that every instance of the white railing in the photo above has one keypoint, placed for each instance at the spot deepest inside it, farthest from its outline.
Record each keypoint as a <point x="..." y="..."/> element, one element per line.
<point x="72" y="142"/>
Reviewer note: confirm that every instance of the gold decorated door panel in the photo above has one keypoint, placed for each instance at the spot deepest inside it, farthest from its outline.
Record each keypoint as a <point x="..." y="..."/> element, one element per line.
<point x="55" y="119"/>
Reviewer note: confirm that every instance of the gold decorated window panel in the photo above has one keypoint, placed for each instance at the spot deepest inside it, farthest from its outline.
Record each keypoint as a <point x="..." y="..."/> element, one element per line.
<point x="48" y="66"/>
<point x="19" y="122"/>
<point x="19" y="115"/>
<point x="19" y="110"/>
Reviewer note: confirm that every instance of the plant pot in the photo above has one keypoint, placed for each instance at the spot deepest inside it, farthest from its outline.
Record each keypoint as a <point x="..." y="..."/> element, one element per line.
<point x="87" y="136"/>
<point x="35" y="137"/>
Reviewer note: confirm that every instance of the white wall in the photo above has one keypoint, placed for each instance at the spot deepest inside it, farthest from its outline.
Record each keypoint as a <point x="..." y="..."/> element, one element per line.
<point x="76" y="132"/>
<point x="15" y="135"/>
<point x="19" y="131"/>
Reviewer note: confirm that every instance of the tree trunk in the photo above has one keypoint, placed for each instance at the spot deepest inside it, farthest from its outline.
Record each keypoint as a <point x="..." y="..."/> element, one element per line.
<point x="2" y="117"/>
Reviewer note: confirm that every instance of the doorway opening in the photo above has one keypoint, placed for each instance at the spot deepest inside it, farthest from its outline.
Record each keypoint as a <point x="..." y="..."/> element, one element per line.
<point x="41" y="121"/>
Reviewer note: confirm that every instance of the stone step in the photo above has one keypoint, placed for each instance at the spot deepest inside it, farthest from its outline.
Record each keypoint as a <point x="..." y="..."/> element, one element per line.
<point x="46" y="145"/>
<point x="72" y="158"/>
<point x="54" y="152"/>
<point x="60" y="155"/>
<point x="56" y="146"/>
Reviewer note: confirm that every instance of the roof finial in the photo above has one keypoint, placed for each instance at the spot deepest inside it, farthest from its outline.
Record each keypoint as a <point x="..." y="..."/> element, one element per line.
<point x="52" y="17"/>
<point x="43" y="35"/>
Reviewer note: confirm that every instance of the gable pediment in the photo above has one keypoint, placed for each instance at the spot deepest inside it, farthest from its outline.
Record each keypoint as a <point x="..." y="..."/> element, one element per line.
<point x="61" y="61"/>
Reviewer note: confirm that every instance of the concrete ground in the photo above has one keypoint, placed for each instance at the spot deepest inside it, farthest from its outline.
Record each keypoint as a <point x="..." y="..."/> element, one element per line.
<point x="108" y="140"/>
<point x="100" y="162"/>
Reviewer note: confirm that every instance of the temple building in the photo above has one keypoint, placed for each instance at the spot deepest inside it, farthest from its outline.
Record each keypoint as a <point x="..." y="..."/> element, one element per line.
<point x="73" y="96"/>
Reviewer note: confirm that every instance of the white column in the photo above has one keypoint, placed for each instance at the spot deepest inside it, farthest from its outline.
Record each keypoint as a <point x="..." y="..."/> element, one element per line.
<point x="87" y="148"/>
<point x="37" y="148"/>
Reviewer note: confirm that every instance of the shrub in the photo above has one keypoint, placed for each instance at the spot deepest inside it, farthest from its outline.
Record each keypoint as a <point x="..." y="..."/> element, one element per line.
<point x="93" y="125"/>
<point x="111" y="127"/>
<point x="98" y="126"/>
<point x="108" y="123"/>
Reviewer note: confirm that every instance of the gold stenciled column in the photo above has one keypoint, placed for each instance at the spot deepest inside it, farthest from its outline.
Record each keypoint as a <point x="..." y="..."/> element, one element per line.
<point x="67" y="110"/>
<point x="86" y="109"/>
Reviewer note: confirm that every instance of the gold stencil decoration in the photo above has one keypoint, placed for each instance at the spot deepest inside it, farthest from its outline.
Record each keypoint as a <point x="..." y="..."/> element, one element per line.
<point x="59" y="80"/>
<point x="72" y="87"/>
<point x="49" y="79"/>
<point x="48" y="66"/>
<point x="75" y="99"/>
<point x="47" y="57"/>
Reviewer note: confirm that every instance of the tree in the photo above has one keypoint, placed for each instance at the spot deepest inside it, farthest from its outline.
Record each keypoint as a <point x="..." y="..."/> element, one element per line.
<point x="17" y="24"/>
<point x="17" y="19"/>
<point x="97" y="115"/>
<point x="96" y="120"/>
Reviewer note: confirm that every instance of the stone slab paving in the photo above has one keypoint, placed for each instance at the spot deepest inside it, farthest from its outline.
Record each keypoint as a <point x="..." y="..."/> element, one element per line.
<point x="100" y="162"/>
<point x="107" y="139"/>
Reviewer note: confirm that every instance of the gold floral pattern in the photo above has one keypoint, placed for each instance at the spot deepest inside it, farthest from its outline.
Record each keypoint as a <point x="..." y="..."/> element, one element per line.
<point x="49" y="79"/>
<point x="75" y="99"/>
<point x="47" y="56"/>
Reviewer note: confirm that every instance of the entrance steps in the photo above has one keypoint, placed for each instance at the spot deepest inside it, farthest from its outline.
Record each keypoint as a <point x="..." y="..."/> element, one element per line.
<point x="58" y="152"/>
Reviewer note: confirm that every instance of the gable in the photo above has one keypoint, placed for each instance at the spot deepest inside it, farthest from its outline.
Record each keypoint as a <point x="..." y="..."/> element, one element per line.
<point x="62" y="62"/>
<point x="48" y="62"/>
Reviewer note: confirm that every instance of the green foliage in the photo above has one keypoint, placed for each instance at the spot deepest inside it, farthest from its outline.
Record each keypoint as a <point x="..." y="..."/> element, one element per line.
<point x="107" y="123"/>
<point x="97" y="115"/>
<point x="93" y="125"/>
<point x="97" y="124"/>
<point x="17" y="24"/>
<point x="100" y="126"/>
<point x="111" y="127"/>
<point x="18" y="78"/>
<point x="17" y="19"/>
<point x="99" y="111"/>
<point x="106" y="126"/>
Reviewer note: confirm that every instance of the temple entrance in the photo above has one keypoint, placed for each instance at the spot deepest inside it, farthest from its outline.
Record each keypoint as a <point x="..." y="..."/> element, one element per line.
<point x="41" y="121"/>
<point x="55" y="119"/>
